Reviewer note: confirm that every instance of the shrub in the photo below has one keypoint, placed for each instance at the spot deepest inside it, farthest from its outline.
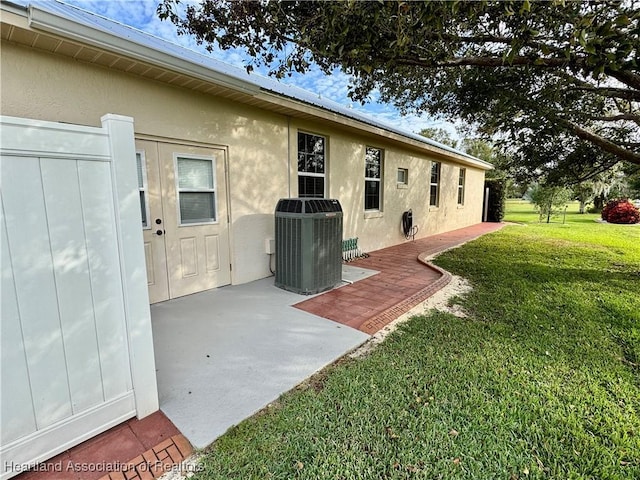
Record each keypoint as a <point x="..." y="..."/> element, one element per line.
<point x="620" y="211"/>
<point x="497" y="198"/>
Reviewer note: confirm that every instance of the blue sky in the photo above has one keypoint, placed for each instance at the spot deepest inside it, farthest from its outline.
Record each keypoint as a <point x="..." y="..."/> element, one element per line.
<point x="141" y="14"/>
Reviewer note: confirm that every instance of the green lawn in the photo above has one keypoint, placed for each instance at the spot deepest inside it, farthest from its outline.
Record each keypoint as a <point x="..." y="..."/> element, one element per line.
<point x="542" y="380"/>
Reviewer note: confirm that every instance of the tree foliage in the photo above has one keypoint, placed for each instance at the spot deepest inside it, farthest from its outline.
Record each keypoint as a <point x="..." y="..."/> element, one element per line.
<point x="549" y="200"/>
<point x="439" y="135"/>
<point x="556" y="82"/>
<point x="632" y="175"/>
<point x="487" y="151"/>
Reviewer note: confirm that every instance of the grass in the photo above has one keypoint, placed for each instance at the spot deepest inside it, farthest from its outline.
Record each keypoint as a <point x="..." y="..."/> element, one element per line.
<point x="542" y="380"/>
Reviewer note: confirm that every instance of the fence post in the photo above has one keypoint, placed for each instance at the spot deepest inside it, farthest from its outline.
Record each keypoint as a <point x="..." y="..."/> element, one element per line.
<point x="132" y="262"/>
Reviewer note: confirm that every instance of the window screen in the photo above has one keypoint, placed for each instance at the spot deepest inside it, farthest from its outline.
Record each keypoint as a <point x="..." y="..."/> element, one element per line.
<point x="403" y="176"/>
<point x="142" y="188"/>
<point x="311" y="165"/>
<point x="372" y="178"/>
<point x="434" y="187"/>
<point x="196" y="190"/>
<point x="461" y="182"/>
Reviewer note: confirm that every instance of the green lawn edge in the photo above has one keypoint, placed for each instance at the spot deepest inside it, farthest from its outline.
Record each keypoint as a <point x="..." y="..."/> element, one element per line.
<point x="541" y="380"/>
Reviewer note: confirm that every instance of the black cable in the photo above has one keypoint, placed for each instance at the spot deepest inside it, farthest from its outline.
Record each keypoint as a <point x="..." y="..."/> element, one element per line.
<point x="273" y="272"/>
<point x="412" y="233"/>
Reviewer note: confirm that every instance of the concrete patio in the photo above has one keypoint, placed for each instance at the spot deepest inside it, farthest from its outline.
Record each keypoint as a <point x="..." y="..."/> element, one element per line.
<point x="224" y="354"/>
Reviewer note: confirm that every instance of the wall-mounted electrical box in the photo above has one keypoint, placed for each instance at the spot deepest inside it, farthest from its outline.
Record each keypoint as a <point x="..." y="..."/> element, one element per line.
<point x="270" y="246"/>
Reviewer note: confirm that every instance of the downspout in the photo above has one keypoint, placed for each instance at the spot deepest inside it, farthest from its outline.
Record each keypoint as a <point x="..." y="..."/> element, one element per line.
<point x="289" y="156"/>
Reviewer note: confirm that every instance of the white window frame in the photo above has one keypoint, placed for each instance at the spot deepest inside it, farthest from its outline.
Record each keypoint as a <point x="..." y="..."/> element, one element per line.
<point x="462" y="180"/>
<point x="435" y="184"/>
<point x="405" y="174"/>
<point x="213" y="190"/>
<point x="314" y="174"/>
<point x="373" y="179"/>
<point x="145" y="187"/>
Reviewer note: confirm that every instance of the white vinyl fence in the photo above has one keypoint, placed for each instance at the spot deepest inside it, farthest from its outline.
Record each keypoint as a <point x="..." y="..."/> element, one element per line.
<point x="76" y="345"/>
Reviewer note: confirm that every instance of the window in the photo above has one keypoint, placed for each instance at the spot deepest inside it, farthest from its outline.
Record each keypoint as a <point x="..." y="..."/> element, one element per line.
<point x="461" y="178"/>
<point x="311" y="163"/>
<point x="403" y="176"/>
<point x="434" y="186"/>
<point x="372" y="176"/>
<point x="143" y="189"/>
<point x="196" y="190"/>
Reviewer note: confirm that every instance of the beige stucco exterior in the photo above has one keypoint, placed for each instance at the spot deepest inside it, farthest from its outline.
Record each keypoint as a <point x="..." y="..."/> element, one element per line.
<point x="260" y="148"/>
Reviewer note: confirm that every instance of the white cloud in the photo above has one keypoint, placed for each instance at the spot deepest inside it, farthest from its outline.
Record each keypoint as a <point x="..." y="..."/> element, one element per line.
<point x="334" y="87"/>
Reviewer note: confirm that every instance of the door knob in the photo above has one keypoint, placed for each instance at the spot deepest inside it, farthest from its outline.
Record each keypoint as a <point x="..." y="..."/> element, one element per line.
<point x="159" y="232"/>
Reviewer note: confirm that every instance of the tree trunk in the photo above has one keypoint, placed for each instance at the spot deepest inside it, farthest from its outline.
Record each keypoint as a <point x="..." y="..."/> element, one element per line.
<point x="598" y="202"/>
<point x="583" y="206"/>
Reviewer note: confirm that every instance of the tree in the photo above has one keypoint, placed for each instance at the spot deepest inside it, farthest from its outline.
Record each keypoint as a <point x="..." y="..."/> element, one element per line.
<point x="481" y="149"/>
<point x="502" y="170"/>
<point x="549" y="80"/>
<point x="439" y="135"/>
<point x="614" y="183"/>
<point x="632" y="175"/>
<point x="584" y="192"/>
<point x="485" y="150"/>
<point x="549" y="200"/>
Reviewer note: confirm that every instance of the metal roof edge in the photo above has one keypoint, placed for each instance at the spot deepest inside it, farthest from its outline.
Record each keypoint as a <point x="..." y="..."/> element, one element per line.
<point x="13" y="7"/>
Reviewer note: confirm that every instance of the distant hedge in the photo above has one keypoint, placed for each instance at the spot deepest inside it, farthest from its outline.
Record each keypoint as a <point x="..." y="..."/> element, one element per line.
<point x="497" y="197"/>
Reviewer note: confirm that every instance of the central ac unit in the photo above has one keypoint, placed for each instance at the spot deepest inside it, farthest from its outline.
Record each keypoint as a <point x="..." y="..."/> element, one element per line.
<point x="308" y="244"/>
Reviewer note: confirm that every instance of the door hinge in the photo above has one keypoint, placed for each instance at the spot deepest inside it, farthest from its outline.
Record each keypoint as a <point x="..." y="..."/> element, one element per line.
<point x="230" y="267"/>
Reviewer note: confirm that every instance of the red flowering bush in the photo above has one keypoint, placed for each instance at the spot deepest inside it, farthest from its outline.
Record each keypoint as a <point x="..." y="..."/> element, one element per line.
<point x="620" y="211"/>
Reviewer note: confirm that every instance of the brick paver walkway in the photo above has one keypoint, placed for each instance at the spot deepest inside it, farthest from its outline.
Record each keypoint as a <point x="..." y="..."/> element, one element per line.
<point x="134" y="450"/>
<point x="405" y="280"/>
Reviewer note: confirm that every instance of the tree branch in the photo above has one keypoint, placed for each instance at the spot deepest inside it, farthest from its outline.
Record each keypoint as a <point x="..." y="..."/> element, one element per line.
<point x="487" y="62"/>
<point x="603" y="143"/>
<point x="594" y="173"/>
<point x="481" y="40"/>
<point x="615" y="118"/>
<point x="631" y="117"/>
<point x="611" y="92"/>
<point x="628" y="78"/>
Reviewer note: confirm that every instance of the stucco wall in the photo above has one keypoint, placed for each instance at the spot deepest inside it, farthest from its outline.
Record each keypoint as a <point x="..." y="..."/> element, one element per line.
<point x="50" y="87"/>
<point x="375" y="230"/>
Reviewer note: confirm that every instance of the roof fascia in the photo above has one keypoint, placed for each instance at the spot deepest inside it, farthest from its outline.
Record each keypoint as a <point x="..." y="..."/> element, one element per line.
<point x="10" y="7"/>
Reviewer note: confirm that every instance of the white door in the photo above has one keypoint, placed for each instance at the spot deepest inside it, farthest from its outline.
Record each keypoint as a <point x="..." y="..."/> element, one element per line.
<point x="185" y="223"/>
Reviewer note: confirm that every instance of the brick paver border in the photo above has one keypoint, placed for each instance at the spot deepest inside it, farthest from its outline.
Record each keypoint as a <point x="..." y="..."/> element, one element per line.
<point x="382" y="319"/>
<point x="156" y="461"/>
